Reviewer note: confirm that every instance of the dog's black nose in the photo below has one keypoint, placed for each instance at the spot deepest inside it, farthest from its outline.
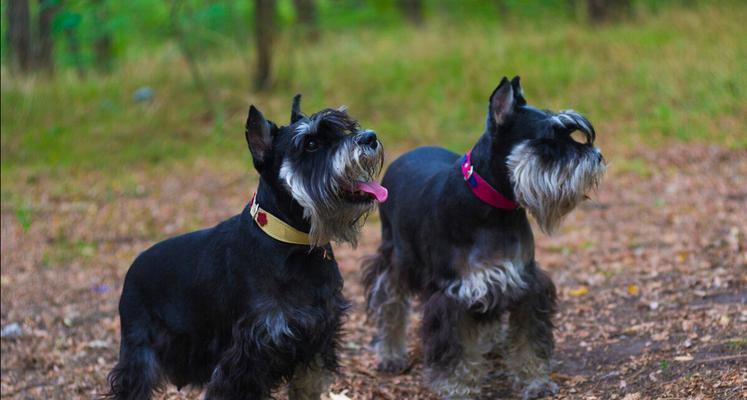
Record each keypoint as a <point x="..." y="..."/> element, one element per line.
<point x="367" y="138"/>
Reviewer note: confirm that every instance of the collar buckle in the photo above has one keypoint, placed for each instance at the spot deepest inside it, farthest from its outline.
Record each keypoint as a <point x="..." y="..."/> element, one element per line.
<point x="482" y="189"/>
<point x="276" y="228"/>
<point x="469" y="172"/>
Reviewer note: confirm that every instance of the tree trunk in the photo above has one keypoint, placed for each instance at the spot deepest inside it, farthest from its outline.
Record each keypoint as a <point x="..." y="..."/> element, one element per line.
<point x="307" y="19"/>
<point x="191" y="59"/>
<point x="572" y="8"/>
<point x="601" y="11"/>
<point x="19" y="34"/>
<point x="264" y="12"/>
<point x="73" y="45"/>
<point x="413" y="10"/>
<point x="102" y="45"/>
<point x="44" y="57"/>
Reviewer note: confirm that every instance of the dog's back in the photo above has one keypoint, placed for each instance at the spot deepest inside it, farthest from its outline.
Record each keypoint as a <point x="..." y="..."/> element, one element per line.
<point x="413" y="170"/>
<point x="191" y="301"/>
<point x="160" y="323"/>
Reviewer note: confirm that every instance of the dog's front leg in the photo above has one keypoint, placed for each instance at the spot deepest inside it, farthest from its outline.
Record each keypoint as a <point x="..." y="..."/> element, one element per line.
<point x="244" y="371"/>
<point x="530" y="339"/>
<point x="453" y="345"/>
<point x="309" y="382"/>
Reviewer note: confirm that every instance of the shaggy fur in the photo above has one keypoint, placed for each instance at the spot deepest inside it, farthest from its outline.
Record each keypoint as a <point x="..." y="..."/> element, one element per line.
<point x="235" y="311"/>
<point x="470" y="263"/>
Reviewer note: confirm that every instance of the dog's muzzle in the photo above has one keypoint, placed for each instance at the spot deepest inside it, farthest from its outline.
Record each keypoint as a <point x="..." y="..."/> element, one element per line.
<point x="550" y="178"/>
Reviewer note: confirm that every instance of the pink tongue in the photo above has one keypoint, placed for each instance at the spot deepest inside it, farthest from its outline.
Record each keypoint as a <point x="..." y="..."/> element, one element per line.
<point x="374" y="189"/>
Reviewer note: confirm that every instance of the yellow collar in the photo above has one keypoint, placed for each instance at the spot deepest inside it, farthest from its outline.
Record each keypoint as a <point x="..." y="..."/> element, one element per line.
<point x="276" y="228"/>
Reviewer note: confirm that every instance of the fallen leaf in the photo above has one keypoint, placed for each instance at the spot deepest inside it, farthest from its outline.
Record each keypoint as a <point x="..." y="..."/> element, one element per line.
<point x="99" y="344"/>
<point x="339" y="396"/>
<point x="580" y="291"/>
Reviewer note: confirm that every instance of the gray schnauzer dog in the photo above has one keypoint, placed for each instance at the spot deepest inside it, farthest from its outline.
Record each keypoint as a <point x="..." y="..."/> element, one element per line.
<point x="255" y="301"/>
<point x="455" y="234"/>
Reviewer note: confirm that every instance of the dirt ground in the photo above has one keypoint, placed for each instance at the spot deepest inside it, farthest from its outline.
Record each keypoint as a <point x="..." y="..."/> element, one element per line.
<point x="652" y="276"/>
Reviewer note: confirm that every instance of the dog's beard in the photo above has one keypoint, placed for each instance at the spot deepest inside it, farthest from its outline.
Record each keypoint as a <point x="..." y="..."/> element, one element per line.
<point x="324" y="194"/>
<point x="550" y="189"/>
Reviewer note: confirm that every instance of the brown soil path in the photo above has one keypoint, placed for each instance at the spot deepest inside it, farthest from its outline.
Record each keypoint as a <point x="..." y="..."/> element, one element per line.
<point x="652" y="275"/>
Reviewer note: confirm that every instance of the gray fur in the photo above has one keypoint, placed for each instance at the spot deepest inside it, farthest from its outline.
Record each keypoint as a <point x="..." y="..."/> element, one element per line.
<point x="551" y="193"/>
<point x="330" y="215"/>
<point x="390" y="307"/>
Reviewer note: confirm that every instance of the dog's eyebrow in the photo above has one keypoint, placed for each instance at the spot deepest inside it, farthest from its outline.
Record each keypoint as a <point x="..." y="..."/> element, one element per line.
<point x="337" y="120"/>
<point x="304" y="128"/>
<point x="571" y="119"/>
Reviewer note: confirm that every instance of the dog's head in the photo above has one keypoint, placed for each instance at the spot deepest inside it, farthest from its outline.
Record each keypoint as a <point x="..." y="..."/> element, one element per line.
<point x="326" y="162"/>
<point x="549" y="171"/>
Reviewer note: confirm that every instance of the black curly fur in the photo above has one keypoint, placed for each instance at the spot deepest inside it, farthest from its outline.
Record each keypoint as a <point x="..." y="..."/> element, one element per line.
<point x="229" y="308"/>
<point x="469" y="262"/>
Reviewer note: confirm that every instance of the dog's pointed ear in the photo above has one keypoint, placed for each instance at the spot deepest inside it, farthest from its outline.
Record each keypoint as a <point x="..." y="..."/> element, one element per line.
<point x="502" y="104"/>
<point x="296" y="113"/>
<point x="258" y="136"/>
<point x="518" y="91"/>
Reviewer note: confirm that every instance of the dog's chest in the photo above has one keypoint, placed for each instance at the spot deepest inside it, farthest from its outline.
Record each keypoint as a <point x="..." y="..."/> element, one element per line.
<point x="300" y="305"/>
<point x="489" y="272"/>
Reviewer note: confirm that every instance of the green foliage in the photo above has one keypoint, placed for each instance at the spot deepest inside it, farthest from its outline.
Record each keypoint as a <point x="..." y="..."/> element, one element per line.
<point x="664" y="367"/>
<point x="738" y="344"/>
<point x="677" y="74"/>
<point x="24" y="217"/>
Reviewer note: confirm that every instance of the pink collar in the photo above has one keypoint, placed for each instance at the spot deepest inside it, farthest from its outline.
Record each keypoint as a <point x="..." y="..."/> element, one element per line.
<point x="482" y="189"/>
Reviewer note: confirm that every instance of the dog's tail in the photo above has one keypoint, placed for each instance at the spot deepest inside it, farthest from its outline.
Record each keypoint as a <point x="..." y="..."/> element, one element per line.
<point x="135" y="376"/>
<point x="374" y="267"/>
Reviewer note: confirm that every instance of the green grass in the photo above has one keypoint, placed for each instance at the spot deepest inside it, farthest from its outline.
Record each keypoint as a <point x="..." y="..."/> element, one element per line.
<point x="679" y="75"/>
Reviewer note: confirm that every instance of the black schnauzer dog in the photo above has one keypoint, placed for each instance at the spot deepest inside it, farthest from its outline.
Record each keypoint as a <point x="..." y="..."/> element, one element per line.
<point x="255" y="301"/>
<point x="455" y="233"/>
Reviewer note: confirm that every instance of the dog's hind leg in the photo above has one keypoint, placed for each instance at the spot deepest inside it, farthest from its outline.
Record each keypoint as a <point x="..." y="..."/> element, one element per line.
<point x="389" y="305"/>
<point x="530" y="339"/>
<point x="136" y="374"/>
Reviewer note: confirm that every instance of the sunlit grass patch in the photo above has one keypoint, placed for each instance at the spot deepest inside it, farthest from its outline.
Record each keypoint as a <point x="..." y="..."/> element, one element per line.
<point x="679" y="75"/>
<point x="627" y="165"/>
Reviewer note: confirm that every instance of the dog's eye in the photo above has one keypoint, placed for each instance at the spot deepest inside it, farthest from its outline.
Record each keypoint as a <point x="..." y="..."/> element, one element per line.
<point x="311" y="145"/>
<point x="578" y="136"/>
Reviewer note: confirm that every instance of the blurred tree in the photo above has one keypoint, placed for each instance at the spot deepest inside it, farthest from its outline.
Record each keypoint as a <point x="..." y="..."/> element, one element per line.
<point x="601" y="11"/>
<point x="264" y="14"/>
<point x="572" y="8"/>
<point x="102" y="44"/>
<point x="44" y="49"/>
<point x="503" y="8"/>
<point x="307" y="19"/>
<point x="182" y="41"/>
<point x="70" y="22"/>
<point x="413" y="10"/>
<point x="19" y="34"/>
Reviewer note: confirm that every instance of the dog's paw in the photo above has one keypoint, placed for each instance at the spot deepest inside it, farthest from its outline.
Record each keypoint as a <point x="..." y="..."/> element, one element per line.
<point x="538" y="388"/>
<point x="393" y="366"/>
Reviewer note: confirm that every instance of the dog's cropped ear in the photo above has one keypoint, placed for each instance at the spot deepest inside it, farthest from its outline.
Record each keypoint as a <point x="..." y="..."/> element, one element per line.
<point x="518" y="91"/>
<point x="259" y="134"/>
<point x="296" y="113"/>
<point x="502" y="104"/>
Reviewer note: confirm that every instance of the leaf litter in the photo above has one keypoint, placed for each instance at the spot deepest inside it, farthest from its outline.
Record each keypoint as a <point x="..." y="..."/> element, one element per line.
<point x="651" y="273"/>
